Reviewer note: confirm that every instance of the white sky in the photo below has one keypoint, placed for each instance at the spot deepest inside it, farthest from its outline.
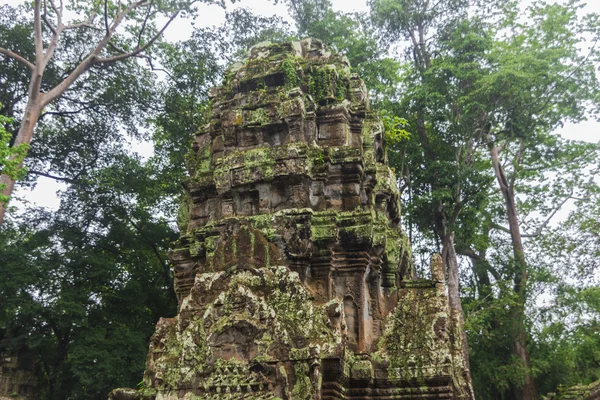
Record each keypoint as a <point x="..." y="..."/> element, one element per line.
<point x="45" y="193"/>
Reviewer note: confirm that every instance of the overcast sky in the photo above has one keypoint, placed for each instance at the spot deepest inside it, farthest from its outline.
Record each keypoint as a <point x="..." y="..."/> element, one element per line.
<point x="213" y="15"/>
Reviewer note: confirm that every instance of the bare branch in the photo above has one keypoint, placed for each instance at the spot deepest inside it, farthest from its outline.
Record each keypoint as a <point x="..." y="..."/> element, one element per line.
<point x="523" y="235"/>
<point x="56" y="178"/>
<point x="468" y="252"/>
<point x="48" y="23"/>
<point x="53" y="43"/>
<point x="56" y="10"/>
<point x="68" y="113"/>
<point x="88" y="23"/>
<point x="17" y="57"/>
<point x="494" y="150"/>
<point x="517" y="164"/>
<point x="68" y="81"/>
<point x="139" y="41"/>
<point x="37" y="23"/>
<point x="82" y="25"/>
<point x="499" y="227"/>
<point x="93" y="56"/>
<point x="153" y="68"/>
<point x="93" y="14"/>
<point x="138" y="50"/>
<point x="540" y="228"/>
<point x="115" y="48"/>
<point x="106" y="17"/>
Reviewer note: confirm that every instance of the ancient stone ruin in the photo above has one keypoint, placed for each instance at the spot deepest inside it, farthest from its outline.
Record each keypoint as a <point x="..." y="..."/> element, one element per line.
<point x="294" y="278"/>
<point x="577" y="392"/>
<point x="17" y="378"/>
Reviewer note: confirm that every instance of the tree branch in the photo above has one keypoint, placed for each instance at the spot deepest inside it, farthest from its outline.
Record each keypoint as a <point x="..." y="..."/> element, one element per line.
<point x="56" y="10"/>
<point x="37" y="25"/>
<point x="53" y="43"/>
<point x="106" y="17"/>
<point x="499" y="227"/>
<point x="517" y="164"/>
<point x="82" y="25"/>
<point x="144" y="23"/>
<point x="468" y="252"/>
<point x="68" y="81"/>
<point x="153" y="68"/>
<point x="138" y="50"/>
<point x="540" y="228"/>
<point x="88" y="22"/>
<point x="115" y="48"/>
<point x="56" y="178"/>
<point x="66" y="113"/>
<point x="17" y="57"/>
<point x="90" y="59"/>
<point x="48" y="23"/>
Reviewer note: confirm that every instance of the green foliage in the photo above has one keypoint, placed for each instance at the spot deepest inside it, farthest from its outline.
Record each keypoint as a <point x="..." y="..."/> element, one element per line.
<point x="67" y="273"/>
<point x="320" y="82"/>
<point x="63" y="296"/>
<point x="325" y="84"/>
<point x="290" y="66"/>
<point x="566" y="348"/>
<point x="394" y="128"/>
<point x="17" y="30"/>
<point x="494" y="367"/>
<point x="11" y="157"/>
<point x="477" y="78"/>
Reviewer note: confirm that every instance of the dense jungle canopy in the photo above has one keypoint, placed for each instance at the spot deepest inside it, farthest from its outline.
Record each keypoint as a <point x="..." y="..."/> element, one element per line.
<point x="471" y="93"/>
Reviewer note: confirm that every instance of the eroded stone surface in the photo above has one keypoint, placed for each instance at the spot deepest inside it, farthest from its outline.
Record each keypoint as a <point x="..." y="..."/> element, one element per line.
<point x="293" y="277"/>
<point x="17" y="381"/>
<point x="578" y="392"/>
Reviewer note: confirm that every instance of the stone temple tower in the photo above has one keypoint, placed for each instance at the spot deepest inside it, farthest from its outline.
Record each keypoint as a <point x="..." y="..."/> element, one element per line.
<point x="294" y="278"/>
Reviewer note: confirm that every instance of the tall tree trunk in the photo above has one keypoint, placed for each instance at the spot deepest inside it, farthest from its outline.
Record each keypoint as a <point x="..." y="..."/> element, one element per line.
<point x="527" y="391"/>
<point x="24" y="136"/>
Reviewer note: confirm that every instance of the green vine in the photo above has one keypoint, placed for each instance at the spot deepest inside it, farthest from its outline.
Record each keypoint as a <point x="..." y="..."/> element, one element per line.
<point x="289" y="66"/>
<point x="319" y="83"/>
<point x="322" y="80"/>
<point x="341" y="88"/>
<point x="10" y="157"/>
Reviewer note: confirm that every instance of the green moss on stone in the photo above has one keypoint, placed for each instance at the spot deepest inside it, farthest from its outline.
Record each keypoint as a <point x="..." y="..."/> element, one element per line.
<point x="289" y="67"/>
<point x="303" y="389"/>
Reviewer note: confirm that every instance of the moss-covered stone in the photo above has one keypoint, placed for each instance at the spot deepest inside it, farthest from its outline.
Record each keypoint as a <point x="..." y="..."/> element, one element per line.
<point x="293" y="278"/>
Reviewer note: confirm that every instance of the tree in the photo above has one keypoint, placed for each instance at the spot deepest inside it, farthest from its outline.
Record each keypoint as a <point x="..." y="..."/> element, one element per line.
<point x="109" y="43"/>
<point x="554" y="173"/>
<point x="484" y="91"/>
<point x="439" y="163"/>
<point x="106" y="245"/>
<point x="66" y="274"/>
<point x="536" y="80"/>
